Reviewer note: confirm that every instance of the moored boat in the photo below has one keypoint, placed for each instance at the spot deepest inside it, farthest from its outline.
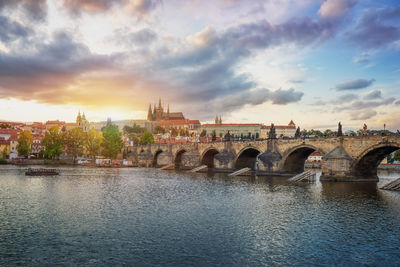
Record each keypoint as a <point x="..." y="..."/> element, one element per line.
<point x="35" y="172"/>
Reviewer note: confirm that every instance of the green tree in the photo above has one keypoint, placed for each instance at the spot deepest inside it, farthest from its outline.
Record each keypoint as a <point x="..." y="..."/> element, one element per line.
<point x="52" y="142"/>
<point x="112" y="141"/>
<point x="158" y="129"/>
<point x="93" y="142"/>
<point x="203" y="133"/>
<point x="5" y="152"/>
<point x="74" y="141"/>
<point x="146" y="138"/>
<point x="396" y="155"/>
<point x="174" y="132"/>
<point x="25" y="140"/>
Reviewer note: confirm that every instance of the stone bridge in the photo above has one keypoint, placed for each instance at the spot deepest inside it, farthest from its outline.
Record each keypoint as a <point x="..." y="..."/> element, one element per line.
<point x="344" y="158"/>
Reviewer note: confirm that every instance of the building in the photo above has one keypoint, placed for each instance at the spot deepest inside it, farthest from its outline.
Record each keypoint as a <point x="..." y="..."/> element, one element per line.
<point x="11" y="136"/>
<point x="158" y="113"/>
<point x="192" y="126"/>
<point x="238" y="130"/>
<point x="57" y="123"/>
<point x="315" y="157"/>
<point x="281" y="130"/>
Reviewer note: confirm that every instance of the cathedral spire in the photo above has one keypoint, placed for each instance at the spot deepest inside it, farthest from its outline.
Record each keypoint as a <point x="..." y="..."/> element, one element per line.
<point x="149" y="114"/>
<point x="79" y="118"/>
<point x="216" y="120"/>
<point x="159" y="102"/>
<point x="83" y="116"/>
<point x="220" y="119"/>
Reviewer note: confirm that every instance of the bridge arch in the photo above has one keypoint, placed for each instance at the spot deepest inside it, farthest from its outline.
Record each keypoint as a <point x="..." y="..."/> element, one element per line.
<point x="247" y="157"/>
<point x="294" y="159"/>
<point x="366" y="165"/>
<point x="178" y="158"/>
<point x="155" y="158"/>
<point x="207" y="158"/>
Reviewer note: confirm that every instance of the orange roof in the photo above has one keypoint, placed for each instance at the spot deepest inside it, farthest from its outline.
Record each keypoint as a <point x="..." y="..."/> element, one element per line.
<point x="185" y="121"/>
<point x="315" y="153"/>
<point x="71" y="124"/>
<point x="55" y="122"/>
<point x="194" y="121"/>
<point x="10" y="131"/>
<point x="291" y="123"/>
<point x="233" y="124"/>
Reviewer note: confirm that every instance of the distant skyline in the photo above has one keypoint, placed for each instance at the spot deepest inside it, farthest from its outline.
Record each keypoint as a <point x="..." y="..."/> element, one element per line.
<point x="314" y="62"/>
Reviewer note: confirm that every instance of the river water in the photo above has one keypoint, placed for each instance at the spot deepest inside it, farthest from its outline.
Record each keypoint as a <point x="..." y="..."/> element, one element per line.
<point x="133" y="216"/>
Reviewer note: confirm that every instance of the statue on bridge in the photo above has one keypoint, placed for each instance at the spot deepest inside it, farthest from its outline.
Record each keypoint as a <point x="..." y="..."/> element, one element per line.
<point x="297" y="134"/>
<point x="364" y="132"/>
<point x="214" y="136"/>
<point x="227" y="137"/>
<point x="272" y="132"/>
<point x="339" y="132"/>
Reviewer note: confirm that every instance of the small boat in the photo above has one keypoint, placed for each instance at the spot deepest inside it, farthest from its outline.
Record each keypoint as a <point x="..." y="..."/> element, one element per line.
<point x="35" y="172"/>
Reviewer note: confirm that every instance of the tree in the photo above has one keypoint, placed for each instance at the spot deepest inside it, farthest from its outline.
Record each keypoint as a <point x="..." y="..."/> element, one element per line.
<point x="396" y="155"/>
<point x="147" y="138"/>
<point x="93" y="142"/>
<point x="328" y="132"/>
<point x="112" y="141"/>
<point x="52" y="142"/>
<point x="74" y="141"/>
<point x="25" y="140"/>
<point x="158" y="129"/>
<point x="5" y="152"/>
<point x="174" y="132"/>
<point x="203" y="133"/>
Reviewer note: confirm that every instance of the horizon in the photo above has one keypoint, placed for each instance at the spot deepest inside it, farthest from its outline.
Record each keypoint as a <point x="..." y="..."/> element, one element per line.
<point x="313" y="62"/>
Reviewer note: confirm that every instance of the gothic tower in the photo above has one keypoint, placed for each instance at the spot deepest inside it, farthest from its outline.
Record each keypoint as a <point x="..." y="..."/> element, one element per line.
<point x="149" y="114"/>
<point x="79" y="118"/>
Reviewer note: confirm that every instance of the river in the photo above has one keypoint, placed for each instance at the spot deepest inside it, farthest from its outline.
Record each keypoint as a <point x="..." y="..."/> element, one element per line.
<point x="133" y="216"/>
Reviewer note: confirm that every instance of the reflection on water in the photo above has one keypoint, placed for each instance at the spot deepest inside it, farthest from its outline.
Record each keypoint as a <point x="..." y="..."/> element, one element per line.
<point x="89" y="216"/>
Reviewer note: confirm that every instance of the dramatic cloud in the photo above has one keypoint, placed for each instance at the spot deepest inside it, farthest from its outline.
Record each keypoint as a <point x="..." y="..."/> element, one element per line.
<point x="376" y="28"/>
<point x="282" y="97"/>
<point x="143" y="37"/>
<point x="78" y="6"/>
<point x="50" y="69"/>
<point x="363" y="115"/>
<point x="139" y="7"/>
<point x="333" y="8"/>
<point x="12" y="30"/>
<point x="354" y="84"/>
<point x="397" y="102"/>
<point x="373" y="95"/>
<point x="36" y="9"/>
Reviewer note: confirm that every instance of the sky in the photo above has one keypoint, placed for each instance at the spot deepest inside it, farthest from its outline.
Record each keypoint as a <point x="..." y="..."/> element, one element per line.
<point x="314" y="62"/>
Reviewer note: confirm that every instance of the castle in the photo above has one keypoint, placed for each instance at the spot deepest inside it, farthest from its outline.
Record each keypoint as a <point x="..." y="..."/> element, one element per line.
<point x="158" y="113"/>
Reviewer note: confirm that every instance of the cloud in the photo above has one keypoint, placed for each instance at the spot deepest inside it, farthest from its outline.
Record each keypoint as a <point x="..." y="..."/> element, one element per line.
<point x="296" y="81"/>
<point x="373" y="95"/>
<point x="143" y="37"/>
<point x="345" y="99"/>
<point x="358" y="105"/>
<point x="397" y="102"/>
<point x="140" y="8"/>
<point x="363" y="115"/>
<point x="333" y="8"/>
<point x="49" y="70"/>
<point x="91" y="6"/>
<point x="12" y="30"/>
<point x="354" y="84"/>
<point x="283" y="97"/>
<point x="375" y="29"/>
<point x="36" y="9"/>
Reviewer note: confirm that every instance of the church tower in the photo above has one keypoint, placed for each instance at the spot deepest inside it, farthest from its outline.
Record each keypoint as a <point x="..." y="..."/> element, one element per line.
<point x="220" y="119"/>
<point x="79" y="118"/>
<point x="149" y="114"/>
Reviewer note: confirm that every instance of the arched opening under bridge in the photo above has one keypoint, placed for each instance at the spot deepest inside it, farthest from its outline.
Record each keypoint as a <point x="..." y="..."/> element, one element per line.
<point x="155" y="158"/>
<point x="295" y="160"/>
<point x="367" y="165"/>
<point x="208" y="158"/>
<point x="178" y="159"/>
<point x="247" y="158"/>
